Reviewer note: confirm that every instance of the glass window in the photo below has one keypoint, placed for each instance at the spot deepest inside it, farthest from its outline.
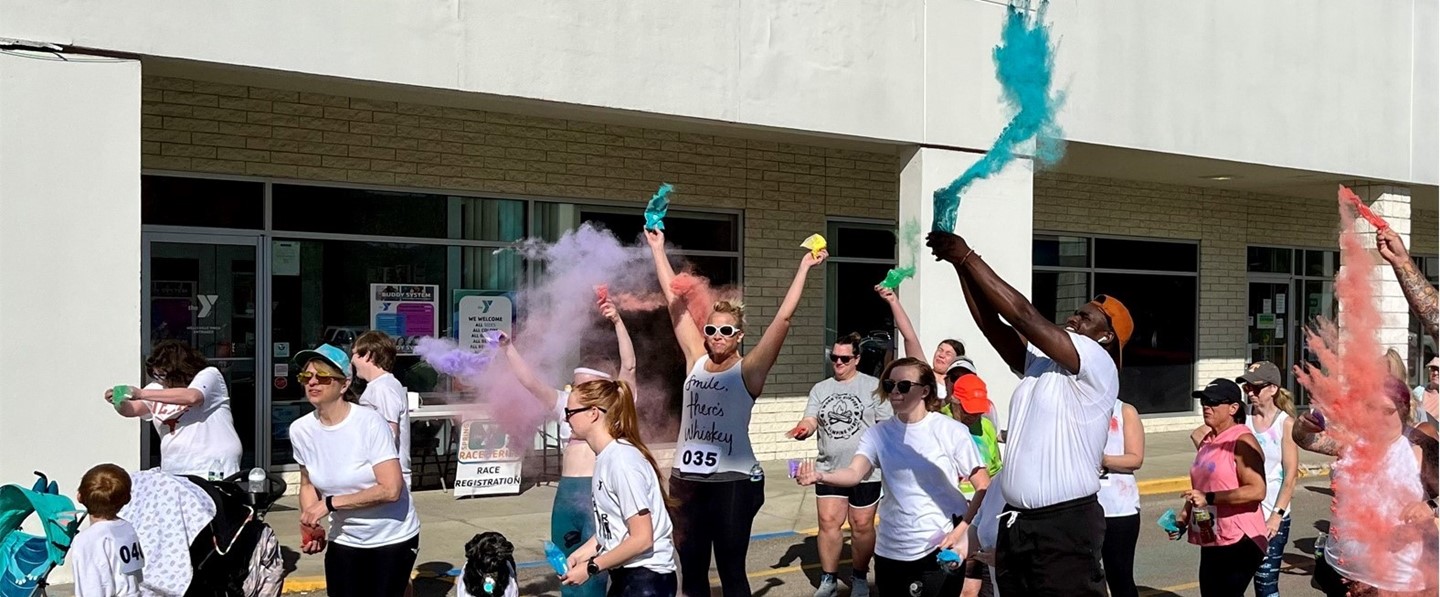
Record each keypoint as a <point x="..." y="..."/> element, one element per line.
<point x="861" y="253"/>
<point x="863" y="243"/>
<point x="1058" y="294"/>
<point x="1159" y="360"/>
<point x="1422" y="345"/>
<point x="209" y="203"/>
<point x="1321" y="263"/>
<point x="1112" y="253"/>
<point x="368" y="212"/>
<point x="320" y="292"/>
<point x="1268" y="260"/>
<point x="1061" y="251"/>
<point x="690" y="232"/>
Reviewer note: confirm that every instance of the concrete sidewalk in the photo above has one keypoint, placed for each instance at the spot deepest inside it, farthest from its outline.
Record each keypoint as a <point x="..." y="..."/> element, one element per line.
<point x="447" y="523"/>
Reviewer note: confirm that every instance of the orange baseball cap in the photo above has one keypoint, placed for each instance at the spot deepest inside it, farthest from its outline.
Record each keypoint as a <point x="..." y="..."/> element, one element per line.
<point x="971" y="393"/>
<point x="1119" y="316"/>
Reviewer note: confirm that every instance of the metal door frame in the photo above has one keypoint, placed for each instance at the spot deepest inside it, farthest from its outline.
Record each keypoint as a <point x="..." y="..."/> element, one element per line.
<point x="263" y="300"/>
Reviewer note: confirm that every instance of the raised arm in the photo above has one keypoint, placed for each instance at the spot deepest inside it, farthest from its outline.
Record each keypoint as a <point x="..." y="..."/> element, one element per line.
<point x="990" y="298"/>
<point x="187" y="397"/>
<point x="758" y="362"/>
<point x="622" y="337"/>
<point x="1309" y="436"/>
<point x="532" y="383"/>
<point x="1007" y="342"/>
<point x="1418" y="291"/>
<point x="994" y="295"/>
<point x="902" y="322"/>
<point x="1134" y="455"/>
<point x="691" y="342"/>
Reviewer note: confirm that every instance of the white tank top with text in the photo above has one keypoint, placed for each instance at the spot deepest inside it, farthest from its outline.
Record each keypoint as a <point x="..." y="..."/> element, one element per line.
<point x="714" y="442"/>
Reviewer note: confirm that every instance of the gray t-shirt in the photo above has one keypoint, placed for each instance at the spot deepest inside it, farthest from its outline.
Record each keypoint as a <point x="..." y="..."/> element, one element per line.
<point x="845" y="409"/>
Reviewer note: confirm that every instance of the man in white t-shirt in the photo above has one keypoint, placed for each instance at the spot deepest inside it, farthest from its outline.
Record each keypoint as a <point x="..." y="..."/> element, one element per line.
<point x="1053" y="526"/>
<point x="373" y="356"/>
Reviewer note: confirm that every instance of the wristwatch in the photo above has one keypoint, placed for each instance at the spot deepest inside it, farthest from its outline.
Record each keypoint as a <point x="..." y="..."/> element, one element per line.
<point x="591" y="568"/>
<point x="330" y="503"/>
<point x="1282" y="512"/>
<point x="1210" y="498"/>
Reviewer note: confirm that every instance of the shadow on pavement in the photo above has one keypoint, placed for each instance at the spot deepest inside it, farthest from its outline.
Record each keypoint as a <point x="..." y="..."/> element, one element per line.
<point x="1153" y="592"/>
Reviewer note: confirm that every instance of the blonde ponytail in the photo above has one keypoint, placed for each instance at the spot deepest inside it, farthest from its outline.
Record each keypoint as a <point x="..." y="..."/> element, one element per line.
<point x="618" y="400"/>
<point x="1285" y="401"/>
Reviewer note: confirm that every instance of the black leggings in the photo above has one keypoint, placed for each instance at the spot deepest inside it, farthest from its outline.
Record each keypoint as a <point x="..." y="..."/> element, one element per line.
<point x="364" y="571"/>
<point x="1118" y="553"/>
<point x="917" y="578"/>
<point x="715" y="515"/>
<point x="1228" y="570"/>
<point x="641" y="582"/>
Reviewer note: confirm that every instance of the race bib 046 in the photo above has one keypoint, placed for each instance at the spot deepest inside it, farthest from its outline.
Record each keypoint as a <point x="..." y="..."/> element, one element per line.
<point x="698" y="459"/>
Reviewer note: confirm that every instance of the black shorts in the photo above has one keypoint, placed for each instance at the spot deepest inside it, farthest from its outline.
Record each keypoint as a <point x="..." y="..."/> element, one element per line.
<point x="864" y="495"/>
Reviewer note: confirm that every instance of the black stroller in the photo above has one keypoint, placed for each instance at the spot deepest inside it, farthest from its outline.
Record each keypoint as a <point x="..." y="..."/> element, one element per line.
<point x="206" y="538"/>
<point x="237" y="554"/>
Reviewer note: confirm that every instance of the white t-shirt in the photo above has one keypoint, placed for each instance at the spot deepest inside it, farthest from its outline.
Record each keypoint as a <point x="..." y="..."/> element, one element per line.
<point x="196" y="440"/>
<point x="1058" y="423"/>
<point x="106" y="560"/>
<point x="923" y="464"/>
<point x="624" y="484"/>
<point x="386" y="395"/>
<point x="340" y="460"/>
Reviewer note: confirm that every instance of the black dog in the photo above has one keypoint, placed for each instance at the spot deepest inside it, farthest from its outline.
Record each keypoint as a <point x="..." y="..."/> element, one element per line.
<point x="489" y="566"/>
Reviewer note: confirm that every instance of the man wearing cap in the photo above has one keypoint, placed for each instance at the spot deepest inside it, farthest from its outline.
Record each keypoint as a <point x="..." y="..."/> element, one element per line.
<point x="1053" y="526"/>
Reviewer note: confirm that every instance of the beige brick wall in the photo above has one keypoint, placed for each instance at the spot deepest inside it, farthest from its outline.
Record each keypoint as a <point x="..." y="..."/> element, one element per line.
<point x="787" y="190"/>
<point x="1225" y="223"/>
<point x="1424" y="231"/>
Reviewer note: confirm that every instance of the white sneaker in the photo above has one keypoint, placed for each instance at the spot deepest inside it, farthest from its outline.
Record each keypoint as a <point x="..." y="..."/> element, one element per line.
<point x="859" y="587"/>
<point x="828" y="586"/>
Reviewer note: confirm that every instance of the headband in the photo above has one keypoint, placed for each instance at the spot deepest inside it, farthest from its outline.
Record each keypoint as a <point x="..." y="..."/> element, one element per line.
<point x="595" y="372"/>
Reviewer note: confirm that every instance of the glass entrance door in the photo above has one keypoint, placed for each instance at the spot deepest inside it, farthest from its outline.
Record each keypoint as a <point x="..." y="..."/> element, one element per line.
<point x="201" y="290"/>
<point x="1269" y="324"/>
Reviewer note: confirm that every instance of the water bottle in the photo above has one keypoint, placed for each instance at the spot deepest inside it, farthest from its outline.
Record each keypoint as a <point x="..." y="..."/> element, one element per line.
<point x="257" y="482"/>
<point x="1204" y="525"/>
<point x="757" y="473"/>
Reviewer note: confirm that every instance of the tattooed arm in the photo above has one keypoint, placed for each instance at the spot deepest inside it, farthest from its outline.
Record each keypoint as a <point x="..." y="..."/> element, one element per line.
<point x="1310" y="437"/>
<point x="1418" y="291"/>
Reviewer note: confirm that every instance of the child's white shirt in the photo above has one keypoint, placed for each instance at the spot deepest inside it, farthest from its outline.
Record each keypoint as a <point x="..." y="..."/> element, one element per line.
<point x="107" y="560"/>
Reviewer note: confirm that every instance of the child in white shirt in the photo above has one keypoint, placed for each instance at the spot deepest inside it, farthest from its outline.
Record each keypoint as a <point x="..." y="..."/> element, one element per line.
<point x="106" y="556"/>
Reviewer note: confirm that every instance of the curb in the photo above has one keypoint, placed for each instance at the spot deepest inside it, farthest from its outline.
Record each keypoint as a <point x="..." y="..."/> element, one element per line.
<point x="306" y="584"/>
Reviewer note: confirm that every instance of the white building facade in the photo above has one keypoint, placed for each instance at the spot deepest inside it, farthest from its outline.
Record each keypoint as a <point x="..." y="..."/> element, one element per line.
<point x="164" y="168"/>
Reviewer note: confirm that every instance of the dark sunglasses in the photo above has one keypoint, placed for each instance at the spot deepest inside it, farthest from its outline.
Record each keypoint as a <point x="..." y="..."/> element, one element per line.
<point x="904" y="385"/>
<point x="842" y="358"/>
<point x="1255" y="388"/>
<point x="724" y="330"/>
<point x="570" y="412"/>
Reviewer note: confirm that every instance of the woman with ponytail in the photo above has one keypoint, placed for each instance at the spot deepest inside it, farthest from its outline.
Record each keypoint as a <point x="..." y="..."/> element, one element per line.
<point x="632" y="526"/>
<point x="1272" y="420"/>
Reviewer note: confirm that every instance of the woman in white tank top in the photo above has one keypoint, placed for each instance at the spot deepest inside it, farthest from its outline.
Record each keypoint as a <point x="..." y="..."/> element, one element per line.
<point x="1272" y="420"/>
<point x="716" y="480"/>
<point x="1120" y="497"/>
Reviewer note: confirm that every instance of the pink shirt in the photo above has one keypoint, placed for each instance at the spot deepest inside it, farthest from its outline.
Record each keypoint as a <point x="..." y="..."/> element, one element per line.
<point x="1214" y="470"/>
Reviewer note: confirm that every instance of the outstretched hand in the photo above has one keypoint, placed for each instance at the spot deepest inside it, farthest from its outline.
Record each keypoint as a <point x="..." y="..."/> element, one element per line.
<point x="947" y="247"/>
<point x="813" y="259"/>
<point x="806" y="474"/>
<point x="886" y="294"/>
<point x="608" y="310"/>
<point x="1391" y="247"/>
<point x="655" y="238"/>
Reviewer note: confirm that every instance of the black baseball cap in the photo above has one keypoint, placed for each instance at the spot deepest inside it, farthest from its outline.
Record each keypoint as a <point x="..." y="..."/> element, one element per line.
<point x="1220" y="391"/>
